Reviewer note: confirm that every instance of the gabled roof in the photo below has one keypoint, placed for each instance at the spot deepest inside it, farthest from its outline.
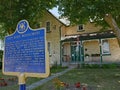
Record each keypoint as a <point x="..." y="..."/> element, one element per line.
<point x="56" y="18"/>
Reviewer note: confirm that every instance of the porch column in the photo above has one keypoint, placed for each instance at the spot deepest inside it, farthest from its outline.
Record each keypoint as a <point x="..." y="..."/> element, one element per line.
<point x="61" y="53"/>
<point x="101" y="59"/>
<point x="82" y="51"/>
<point x="60" y="30"/>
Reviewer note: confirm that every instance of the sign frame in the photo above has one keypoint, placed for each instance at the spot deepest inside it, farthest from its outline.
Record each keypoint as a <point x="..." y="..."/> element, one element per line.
<point x="23" y="75"/>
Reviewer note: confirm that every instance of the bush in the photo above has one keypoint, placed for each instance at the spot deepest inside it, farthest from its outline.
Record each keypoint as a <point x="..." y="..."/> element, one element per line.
<point x="56" y="69"/>
<point x="104" y="66"/>
<point x="109" y="66"/>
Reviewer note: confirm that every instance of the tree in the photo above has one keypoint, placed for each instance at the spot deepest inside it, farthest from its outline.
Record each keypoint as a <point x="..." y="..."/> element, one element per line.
<point x="102" y="12"/>
<point x="1" y="55"/>
<point x="12" y="11"/>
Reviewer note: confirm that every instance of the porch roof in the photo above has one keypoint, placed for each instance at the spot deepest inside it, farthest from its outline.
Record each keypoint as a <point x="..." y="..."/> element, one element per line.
<point x="89" y="36"/>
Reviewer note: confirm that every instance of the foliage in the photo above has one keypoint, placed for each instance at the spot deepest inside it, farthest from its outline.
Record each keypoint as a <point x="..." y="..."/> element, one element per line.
<point x="12" y="11"/>
<point x="58" y="68"/>
<point x="58" y="83"/>
<point x="104" y="66"/>
<point x="105" y="13"/>
<point x="81" y="11"/>
<point x="110" y="66"/>
<point x="3" y="31"/>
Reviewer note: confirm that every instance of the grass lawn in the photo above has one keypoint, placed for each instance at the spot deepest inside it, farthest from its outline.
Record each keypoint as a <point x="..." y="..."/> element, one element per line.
<point x="29" y="80"/>
<point x="106" y="79"/>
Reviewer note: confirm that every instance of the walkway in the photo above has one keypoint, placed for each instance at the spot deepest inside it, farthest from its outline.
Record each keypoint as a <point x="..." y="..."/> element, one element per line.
<point x="41" y="82"/>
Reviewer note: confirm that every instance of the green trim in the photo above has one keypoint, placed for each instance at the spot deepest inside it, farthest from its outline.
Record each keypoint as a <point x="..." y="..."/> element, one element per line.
<point x="87" y="38"/>
<point x="71" y="51"/>
<point x="82" y="50"/>
<point x="75" y="56"/>
<point x="101" y="59"/>
<point x="60" y="53"/>
<point x="60" y="45"/>
<point x="106" y="54"/>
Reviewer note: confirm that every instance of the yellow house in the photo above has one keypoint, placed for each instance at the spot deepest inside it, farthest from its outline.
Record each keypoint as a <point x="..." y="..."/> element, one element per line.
<point x="86" y="44"/>
<point x="83" y="43"/>
<point x="53" y="35"/>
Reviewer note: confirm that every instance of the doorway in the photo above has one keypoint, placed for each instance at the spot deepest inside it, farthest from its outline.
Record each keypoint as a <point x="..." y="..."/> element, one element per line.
<point x="75" y="54"/>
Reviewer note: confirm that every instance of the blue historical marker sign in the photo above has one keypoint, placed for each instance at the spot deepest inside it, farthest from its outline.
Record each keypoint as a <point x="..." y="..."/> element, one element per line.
<point x="25" y="50"/>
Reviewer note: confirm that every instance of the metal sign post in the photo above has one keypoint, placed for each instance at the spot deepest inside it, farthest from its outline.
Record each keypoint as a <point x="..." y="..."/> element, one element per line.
<point x="26" y="53"/>
<point x="22" y="87"/>
<point x="21" y="79"/>
<point x="78" y="52"/>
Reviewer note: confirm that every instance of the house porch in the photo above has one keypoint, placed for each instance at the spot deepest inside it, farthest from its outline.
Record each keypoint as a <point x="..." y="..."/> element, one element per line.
<point x="86" y="48"/>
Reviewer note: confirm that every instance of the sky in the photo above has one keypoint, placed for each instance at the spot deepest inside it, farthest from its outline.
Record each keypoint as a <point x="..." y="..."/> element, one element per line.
<point x="55" y="12"/>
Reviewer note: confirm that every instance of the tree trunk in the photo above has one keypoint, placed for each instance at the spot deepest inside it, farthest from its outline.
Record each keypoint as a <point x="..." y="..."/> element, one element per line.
<point x="112" y="23"/>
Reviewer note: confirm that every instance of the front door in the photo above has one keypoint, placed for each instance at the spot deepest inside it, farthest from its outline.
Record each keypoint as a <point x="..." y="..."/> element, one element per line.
<point x="75" y="54"/>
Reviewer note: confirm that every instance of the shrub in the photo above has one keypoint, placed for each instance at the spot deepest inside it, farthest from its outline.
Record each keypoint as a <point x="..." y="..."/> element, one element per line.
<point x="109" y="66"/>
<point x="104" y="66"/>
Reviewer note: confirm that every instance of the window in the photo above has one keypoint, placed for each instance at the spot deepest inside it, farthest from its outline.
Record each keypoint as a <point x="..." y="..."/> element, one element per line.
<point x="80" y="27"/>
<point x="105" y="47"/>
<point x="49" y="48"/>
<point x="47" y="26"/>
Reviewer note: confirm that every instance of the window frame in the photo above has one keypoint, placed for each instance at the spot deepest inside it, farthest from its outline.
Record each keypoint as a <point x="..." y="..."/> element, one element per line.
<point x="48" y="26"/>
<point x="82" y="27"/>
<point x="105" y="49"/>
<point x="49" y="47"/>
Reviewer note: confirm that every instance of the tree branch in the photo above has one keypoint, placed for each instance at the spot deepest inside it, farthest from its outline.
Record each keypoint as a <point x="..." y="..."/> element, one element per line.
<point x="112" y="23"/>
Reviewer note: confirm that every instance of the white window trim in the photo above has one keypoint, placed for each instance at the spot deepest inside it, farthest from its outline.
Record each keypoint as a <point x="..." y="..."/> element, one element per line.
<point x="104" y="48"/>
